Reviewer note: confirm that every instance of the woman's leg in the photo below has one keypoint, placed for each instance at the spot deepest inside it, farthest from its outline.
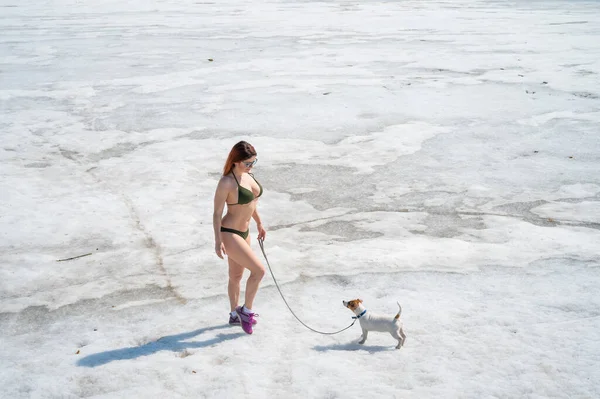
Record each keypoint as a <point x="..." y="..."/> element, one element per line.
<point x="240" y="252"/>
<point x="236" y="272"/>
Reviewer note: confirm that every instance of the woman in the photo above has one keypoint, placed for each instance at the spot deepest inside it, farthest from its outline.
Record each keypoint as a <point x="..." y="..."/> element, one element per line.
<point x="240" y="191"/>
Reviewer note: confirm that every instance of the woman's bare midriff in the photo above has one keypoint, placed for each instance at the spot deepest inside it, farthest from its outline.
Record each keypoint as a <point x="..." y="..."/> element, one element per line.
<point x="238" y="216"/>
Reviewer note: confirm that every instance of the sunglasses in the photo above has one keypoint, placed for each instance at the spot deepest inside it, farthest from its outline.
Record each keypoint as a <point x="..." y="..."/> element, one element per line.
<point x="250" y="164"/>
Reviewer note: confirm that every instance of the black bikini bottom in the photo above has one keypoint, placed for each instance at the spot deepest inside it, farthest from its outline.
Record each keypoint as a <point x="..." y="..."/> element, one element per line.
<point x="243" y="234"/>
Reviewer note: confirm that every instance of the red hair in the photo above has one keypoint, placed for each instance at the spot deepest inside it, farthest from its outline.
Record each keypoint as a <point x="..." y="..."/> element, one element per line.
<point x="240" y="152"/>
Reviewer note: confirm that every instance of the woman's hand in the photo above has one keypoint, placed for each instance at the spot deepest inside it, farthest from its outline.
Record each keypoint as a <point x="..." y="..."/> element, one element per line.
<point x="262" y="233"/>
<point x="220" y="249"/>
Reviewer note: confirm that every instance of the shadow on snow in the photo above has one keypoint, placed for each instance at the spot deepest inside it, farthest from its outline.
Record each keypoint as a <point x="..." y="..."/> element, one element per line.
<point x="353" y="347"/>
<point x="174" y="343"/>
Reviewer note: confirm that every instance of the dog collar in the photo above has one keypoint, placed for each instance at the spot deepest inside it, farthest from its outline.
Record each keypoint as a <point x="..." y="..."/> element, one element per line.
<point x="360" y="315"/>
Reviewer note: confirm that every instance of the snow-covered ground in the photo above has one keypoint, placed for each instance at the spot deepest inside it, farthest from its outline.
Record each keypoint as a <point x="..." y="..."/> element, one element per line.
<point x="443" y="154"/>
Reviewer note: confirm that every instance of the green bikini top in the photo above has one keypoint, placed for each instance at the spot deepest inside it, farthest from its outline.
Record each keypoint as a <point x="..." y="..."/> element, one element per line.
<point x="246" y="196"/>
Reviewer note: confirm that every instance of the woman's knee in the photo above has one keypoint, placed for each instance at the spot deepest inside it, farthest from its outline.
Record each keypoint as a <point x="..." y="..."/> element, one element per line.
<point x="235" y="278"/>
<point x="235" y="273"/>
<point x="258" y="272"/>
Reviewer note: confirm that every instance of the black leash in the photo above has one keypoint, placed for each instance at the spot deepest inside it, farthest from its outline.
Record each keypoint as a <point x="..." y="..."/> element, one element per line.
<point x="262" y="248"/>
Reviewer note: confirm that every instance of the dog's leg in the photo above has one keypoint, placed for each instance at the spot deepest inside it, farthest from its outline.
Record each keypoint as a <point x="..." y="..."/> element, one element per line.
<point x="403" y="336"/>
<point x="397" y="334"/>
<point x="364" y="336"/>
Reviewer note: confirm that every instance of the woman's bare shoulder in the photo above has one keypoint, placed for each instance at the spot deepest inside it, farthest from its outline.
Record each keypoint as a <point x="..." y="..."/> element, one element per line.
<point x="226" y="182"/>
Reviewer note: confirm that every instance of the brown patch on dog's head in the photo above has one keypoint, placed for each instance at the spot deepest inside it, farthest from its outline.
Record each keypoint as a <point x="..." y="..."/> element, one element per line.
<point x="353" y="304"/>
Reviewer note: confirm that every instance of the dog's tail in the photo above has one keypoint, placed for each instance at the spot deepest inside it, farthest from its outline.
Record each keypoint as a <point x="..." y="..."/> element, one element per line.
<point x="399" y="311"/>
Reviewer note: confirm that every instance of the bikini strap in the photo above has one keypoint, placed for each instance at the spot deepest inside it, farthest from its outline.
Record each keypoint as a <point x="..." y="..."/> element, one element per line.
<point x="236" y="180"/>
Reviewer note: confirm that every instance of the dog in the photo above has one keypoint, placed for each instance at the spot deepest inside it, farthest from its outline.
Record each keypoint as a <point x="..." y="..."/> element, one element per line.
<point x="373" y="322"/>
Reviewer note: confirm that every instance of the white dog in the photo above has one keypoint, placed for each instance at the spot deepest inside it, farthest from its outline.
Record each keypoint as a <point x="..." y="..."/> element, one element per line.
<point x="372" y="322"/>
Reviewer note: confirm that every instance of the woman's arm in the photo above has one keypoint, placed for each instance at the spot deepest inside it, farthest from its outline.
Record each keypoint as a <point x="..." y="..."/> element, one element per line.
<point x="256" y="217"/>
<point x="219" y="206"/>
<point x="261" y="230"/>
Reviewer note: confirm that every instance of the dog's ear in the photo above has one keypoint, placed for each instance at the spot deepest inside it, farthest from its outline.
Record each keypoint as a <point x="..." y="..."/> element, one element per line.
<point x="360" y="300"/>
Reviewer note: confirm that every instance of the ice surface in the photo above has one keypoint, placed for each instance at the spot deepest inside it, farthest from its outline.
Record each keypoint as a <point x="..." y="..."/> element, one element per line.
<point x="442" y="154"/>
